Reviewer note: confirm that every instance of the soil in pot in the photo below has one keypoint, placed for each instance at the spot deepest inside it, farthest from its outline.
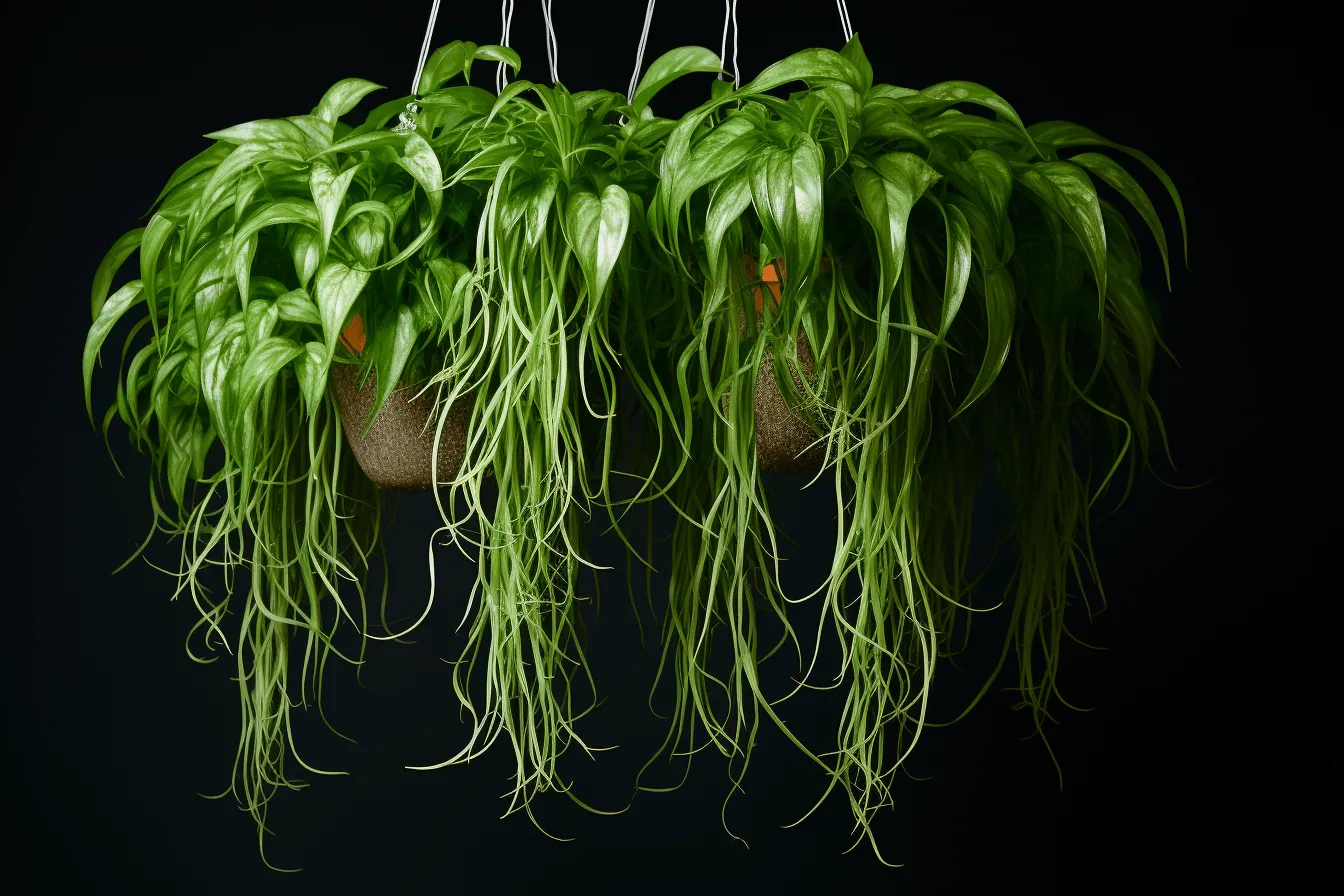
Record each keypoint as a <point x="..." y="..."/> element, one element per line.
<point x="397" y="452"/>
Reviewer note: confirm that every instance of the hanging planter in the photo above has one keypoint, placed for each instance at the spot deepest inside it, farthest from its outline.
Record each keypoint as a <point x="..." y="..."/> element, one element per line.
<point x="967" y="241"/>
<point x="396" y="451"/>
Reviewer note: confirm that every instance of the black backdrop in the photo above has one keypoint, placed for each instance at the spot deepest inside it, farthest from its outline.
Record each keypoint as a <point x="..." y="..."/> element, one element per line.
<point x="1171" y="780"/>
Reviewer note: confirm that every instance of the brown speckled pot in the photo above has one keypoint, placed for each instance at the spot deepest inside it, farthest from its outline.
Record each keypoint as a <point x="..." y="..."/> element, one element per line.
<point x="397" y="451"/>
<point x="783" y="437"/>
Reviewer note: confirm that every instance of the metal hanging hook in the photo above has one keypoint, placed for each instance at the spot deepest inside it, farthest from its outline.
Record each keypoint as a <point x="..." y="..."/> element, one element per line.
<point x="406" y="122"/>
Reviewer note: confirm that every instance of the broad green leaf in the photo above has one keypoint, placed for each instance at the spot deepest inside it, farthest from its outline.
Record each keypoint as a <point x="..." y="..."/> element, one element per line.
<point x="813" y="66"/>
<point x="263" y="364"/>
<point x="264" y="131"/>
<point x="297" y="307"/>
<point x="1061" y="134"/>
<point x="1124" y="183"/>
<point x="217" y="357"/>
<point x="1067" y="190"/>
<point x="260" y="318"/>
<point x="727" y="202"/>
<point x="318" y="131"/>
<point x="496" y="53"/>
<point x="887" y="192"/>
<point x="365" y="142"/>
<point x="121" y="301"/>
<point x="337" y="288"/>
<point x="730" y="145"/>
<point x="328" y="189"/>
<point x="449" y="276"/>
<point x="311" y="369"/>
<point x="306" y="251"/>
<point x="418" y="158"/>
<point x="285" y="211"/>
<point x="853" y="51"/>
<point x="443" y="64"/>
<point x="402" y="341"/>
<point x="472" y="99"/>
<point x="949" y="92"/>
<point x="596" y="230"/>
<point x="342" y="97"/>
<point x="670" y="66"/>
<point x="121" y="250"/>
<point x="807" y="176"/>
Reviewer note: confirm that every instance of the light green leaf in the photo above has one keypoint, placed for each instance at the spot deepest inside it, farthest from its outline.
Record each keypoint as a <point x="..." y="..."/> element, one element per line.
<point x="311" y="369"/>
<point x="887" y="193"/>
<point x="596" y="230"/>
<point x="259" y="319"/>
<point x="121" y="250"/>
<point x="307" y="254"/>
<point x="342" y="97"/>
<point x="337" y="288"/>
<point x="496" y="53"/>
<point x="263" y="364"/>
<point x="511" y="90"/>
<point x="263" y="131"/>
<point x="402" y="341"/>
<point x="728" y="201"/>
<point x="297" y="307"/>
<point x="328" y="189"/>
<point x="443" y="64"/>
<point x="670" y="66"/>
<point x="121" y="301"/>
<point x="853" y="51"/>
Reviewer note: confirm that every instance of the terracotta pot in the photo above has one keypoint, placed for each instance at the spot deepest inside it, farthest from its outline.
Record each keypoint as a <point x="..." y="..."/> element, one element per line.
<point x="397" y="451"/>
<point x="783" y="436"/>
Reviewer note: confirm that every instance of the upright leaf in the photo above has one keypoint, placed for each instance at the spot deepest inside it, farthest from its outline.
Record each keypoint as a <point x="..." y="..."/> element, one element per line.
<point x="670" y="66"/>
<point x="337" y="289"/>
<point x="342" y="97"/>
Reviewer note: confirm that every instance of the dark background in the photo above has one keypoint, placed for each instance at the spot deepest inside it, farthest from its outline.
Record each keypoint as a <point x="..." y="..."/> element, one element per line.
<point x="1173" y="781"/>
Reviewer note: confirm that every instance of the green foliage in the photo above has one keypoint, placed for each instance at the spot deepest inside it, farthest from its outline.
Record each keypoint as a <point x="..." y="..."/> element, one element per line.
<point x="964" y="287"/>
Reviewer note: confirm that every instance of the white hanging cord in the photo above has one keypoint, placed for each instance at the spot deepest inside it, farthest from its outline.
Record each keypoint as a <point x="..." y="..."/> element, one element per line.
<point x="406" y="121"/>
<point x="729" y="12"/>
<point x="506" y="24"/>
<point x="844" y="20"/>
<point x="639" y="58"/>
<point x="552" y="45"/>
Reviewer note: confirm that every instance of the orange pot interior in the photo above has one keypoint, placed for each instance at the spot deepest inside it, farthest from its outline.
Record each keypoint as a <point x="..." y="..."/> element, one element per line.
<point x="353" y="338"/>
<point x="771" y="277"/>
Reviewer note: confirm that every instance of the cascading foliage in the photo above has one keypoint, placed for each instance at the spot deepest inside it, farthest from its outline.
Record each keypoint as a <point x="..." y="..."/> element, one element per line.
<point x="526" y="259"/>
<point x="979" y="294"/>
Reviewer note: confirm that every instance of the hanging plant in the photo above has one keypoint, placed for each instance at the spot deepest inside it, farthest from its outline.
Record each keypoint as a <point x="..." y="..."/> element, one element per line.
<point x="256" y="255"/>
<point x="981" y="292"/>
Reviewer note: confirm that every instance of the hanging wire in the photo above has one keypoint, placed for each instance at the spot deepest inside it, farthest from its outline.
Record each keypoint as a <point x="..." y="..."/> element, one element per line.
<point x="552" y="45"/>
<point x="639" y="58"/>
<point x="506" y="24"/>
<point x="844" y="20"/>
<point x="729" y="12"/>
<point x="406" y="120"/>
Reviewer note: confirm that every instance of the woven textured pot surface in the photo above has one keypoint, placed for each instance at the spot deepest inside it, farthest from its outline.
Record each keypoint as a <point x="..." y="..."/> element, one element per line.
<point x="398" y="450"/>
